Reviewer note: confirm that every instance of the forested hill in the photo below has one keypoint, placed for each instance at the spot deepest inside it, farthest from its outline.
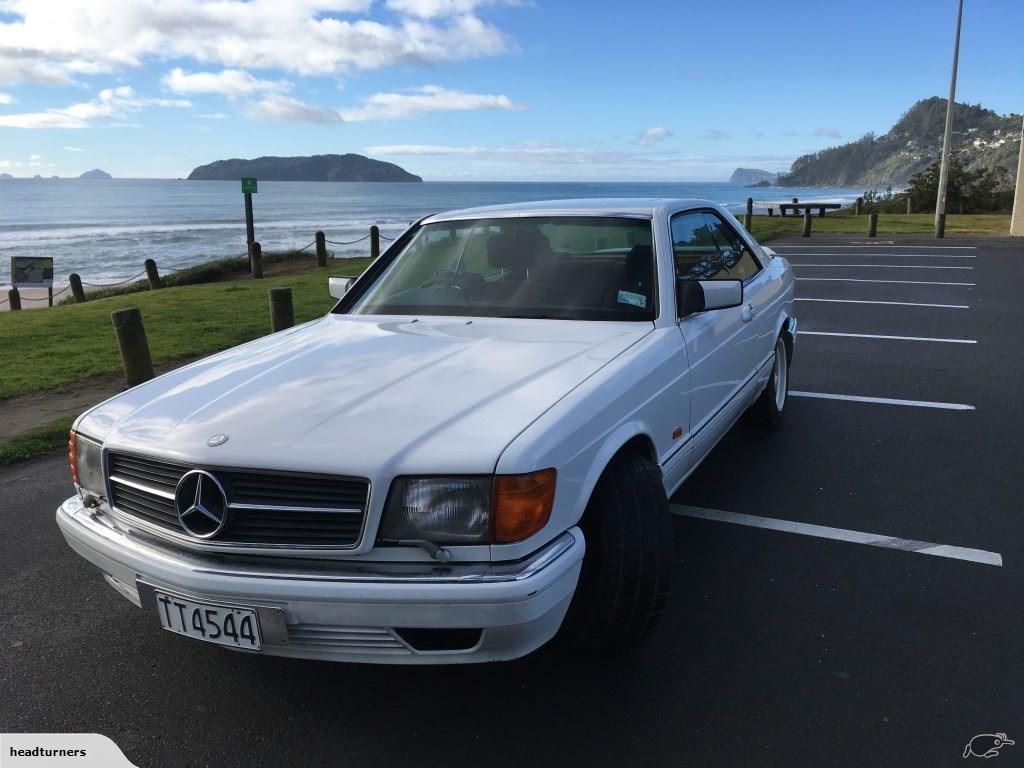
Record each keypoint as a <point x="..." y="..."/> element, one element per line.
<point x="315" y="168"/>
<point x="981" y="139"/>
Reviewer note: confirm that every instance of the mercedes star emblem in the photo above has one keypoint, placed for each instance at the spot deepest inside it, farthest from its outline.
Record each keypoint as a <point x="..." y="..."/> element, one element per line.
<point x="201" y="504"/>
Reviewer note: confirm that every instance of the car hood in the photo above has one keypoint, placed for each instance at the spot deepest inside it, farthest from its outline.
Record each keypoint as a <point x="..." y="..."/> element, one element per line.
<point x="364" y="395"/>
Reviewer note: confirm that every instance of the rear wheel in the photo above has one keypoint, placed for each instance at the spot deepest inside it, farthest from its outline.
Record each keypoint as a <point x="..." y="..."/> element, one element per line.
<point x="770" y="406"/>
<point x="624" y="584"/>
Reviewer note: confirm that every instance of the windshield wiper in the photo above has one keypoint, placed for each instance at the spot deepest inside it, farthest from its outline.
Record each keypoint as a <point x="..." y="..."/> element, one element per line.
<point x="541" y="317"/>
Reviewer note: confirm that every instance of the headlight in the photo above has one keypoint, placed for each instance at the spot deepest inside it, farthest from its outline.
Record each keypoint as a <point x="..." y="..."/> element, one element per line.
<point x="86" y="456"/>
<point x="442" y="510"/>
<point x="496" y="509"/>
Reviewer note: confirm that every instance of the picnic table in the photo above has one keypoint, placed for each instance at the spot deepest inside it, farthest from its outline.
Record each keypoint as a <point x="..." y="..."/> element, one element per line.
<point x="795" y="206"/>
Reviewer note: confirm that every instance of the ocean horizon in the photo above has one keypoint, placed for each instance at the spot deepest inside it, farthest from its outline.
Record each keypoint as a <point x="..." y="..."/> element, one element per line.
<point x="105" y="229"/>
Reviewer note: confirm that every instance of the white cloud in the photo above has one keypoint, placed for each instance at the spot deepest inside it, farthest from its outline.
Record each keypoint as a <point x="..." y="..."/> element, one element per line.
<point x="831" y="133"/>
<point x="227" y="82"/>
<point x="379" y="106"/>
<point x="430" y="8"/>
<point x="428" y="98"/>
<point x="58" y="41"/>
<point x="284" y="109"/>
<point x="74" y="149"/>
<point x="213" y="116"/>
<point x="35" y="158"/>
<point x="652" y="135"/>
<point x="111" y="104"/>
<point x="717" y="135"/>
<point x="6" y="98"/>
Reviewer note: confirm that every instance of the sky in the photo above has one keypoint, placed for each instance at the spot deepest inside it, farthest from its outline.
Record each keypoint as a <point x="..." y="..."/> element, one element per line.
<point x="482" y="89"/>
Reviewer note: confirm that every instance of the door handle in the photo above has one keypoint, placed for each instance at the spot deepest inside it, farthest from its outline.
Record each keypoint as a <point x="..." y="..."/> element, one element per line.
<point x="747" y="313"/>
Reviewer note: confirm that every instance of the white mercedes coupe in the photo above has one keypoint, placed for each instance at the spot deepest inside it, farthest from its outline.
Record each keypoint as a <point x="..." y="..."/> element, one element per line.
<point x="470" y="454"/>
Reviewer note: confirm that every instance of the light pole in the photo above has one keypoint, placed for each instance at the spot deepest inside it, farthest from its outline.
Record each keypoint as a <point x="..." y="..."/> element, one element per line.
<point x="1017" y="222"/>
<point x="940" y="202"/>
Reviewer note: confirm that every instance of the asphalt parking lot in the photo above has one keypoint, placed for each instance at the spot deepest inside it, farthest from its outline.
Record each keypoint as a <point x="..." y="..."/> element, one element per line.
<point x="889" y="637"/>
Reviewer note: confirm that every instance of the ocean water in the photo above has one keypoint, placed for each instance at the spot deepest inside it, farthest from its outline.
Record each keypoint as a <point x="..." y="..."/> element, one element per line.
<point x="105" y="229"/>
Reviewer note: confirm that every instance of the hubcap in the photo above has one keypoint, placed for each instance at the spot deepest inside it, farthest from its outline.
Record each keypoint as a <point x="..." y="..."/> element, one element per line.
<point x="780" y="373"/>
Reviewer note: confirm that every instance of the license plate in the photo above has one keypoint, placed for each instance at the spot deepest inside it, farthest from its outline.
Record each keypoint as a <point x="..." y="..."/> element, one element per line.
<point x="221" y="624"/>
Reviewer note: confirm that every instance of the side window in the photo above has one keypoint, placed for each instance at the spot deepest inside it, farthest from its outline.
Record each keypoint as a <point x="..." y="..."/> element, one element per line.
<point x="706" y="248"/>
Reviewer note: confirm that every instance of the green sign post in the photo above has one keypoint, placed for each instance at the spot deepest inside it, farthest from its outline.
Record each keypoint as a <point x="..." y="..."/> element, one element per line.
<point x="248" y="190"/>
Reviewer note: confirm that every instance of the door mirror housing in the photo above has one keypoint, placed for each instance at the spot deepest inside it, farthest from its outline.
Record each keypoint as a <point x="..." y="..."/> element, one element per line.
<point x="694" y="296"/>
<point x="338" y="286"/>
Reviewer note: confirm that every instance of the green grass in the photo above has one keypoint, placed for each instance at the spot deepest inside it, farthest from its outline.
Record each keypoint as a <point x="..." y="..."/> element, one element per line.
<point x="49" y="348"/>
<point x="38" y="442"/>
<point x="764" y="228"/>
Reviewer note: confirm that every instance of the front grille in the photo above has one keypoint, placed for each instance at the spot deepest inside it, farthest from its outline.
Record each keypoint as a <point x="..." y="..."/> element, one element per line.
<point x="349" y="639"/>
<point x="266" y="507"/>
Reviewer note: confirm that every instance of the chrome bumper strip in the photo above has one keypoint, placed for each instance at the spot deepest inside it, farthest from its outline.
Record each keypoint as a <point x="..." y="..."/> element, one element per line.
<point x="103" y="526"/>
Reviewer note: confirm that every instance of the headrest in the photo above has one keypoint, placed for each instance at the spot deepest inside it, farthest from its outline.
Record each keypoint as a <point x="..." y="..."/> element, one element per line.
<point x="638" y="263"/>
<point x="518" y="250"/>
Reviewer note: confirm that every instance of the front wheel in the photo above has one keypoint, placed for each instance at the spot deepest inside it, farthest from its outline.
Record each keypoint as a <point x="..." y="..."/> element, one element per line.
<point x="624" y="584"/>
<point x="770" y="406"/>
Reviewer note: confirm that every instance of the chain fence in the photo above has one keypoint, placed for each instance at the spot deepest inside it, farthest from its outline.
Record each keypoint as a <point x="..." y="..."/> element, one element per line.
<point x="167" y="270"/>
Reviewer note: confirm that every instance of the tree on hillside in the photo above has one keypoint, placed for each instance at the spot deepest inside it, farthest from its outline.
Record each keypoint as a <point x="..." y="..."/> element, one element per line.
<point x="973" y="190"/>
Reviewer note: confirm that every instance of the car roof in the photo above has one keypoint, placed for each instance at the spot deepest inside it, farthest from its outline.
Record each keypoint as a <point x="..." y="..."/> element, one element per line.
<point x="644" y="207"/>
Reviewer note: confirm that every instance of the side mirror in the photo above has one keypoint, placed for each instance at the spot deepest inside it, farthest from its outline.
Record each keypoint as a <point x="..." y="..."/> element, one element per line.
<point x="338" y="286"/>
<point x="694" y="296"/>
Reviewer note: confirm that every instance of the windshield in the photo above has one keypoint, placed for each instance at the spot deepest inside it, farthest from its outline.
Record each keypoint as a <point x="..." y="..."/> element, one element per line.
<point x="561" y="267"/>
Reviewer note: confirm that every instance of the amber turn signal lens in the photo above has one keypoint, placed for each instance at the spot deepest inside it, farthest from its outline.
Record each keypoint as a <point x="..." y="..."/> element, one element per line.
<point x="521" y="504"/>
<point x="73" y="456"/>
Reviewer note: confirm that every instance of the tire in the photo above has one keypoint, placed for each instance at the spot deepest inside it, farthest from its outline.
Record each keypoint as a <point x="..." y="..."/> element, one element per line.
<point x="771" y="404"/>
<point x="625" y="581"/>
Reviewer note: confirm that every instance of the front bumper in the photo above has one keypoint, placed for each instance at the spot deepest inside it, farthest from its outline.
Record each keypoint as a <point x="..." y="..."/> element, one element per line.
<point x="346" y="611"/>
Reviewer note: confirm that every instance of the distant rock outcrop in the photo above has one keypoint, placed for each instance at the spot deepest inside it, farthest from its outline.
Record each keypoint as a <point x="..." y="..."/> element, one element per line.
<point x="6" y="176"/>
<point x="316" y="168"/>
<point x="95" y="173"/>
<point x="751" y="176"/>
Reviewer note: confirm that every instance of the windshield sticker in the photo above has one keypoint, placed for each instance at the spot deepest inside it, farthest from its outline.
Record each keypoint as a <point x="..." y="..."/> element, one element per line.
<point x="636" y="299"/>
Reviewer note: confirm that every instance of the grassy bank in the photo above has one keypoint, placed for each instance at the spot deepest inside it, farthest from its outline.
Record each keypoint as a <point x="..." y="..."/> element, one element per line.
<point x="49" y="348"/>
<point x="49" y="439"/>
<point x="764" y="228"/>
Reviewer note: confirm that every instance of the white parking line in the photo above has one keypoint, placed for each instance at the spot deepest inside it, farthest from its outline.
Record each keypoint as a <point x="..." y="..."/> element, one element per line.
<point x="883" y="266"/>
<point x="873" y="245"/>
<point x="982" y="556"/>
<point x="888" y="255"/>
<point x="894" y="303"/>
<point x="863" y="280"/>
<point x="883" y="401"/>
<point x="876" y="336"/>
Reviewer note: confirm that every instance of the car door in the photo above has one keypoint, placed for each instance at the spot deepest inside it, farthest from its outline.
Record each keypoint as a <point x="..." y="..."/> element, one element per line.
<point x="719" y="343"/>
<point x="760" y="295"/>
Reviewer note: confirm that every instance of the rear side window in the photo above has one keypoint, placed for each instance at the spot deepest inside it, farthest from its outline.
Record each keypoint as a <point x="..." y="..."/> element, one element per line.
<point x="706" y="248"/>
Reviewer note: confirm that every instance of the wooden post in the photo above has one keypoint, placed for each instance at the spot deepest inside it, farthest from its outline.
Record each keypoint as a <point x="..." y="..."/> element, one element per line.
<point x="76" y="287"/>
<point x="749" y="217"/>
<point x="807" y="223"/>
<point x="872" y="224"/>
<point x="152" y="275"/>
<point x="321" y="249"/>
<point x="910" y="205"/>
<point x="960" y="206"/>
<point x="940" y="225"/>
<point x="14" y="298"/>
<point x="131" y="341"/>
<point x="857" y="206"/>
<point x="821" y="213"/>
<point x="282" y="314"/>
<point x="374" y="241"/>
<point x="250" y="233"/>
<point x="256" y="260"/>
